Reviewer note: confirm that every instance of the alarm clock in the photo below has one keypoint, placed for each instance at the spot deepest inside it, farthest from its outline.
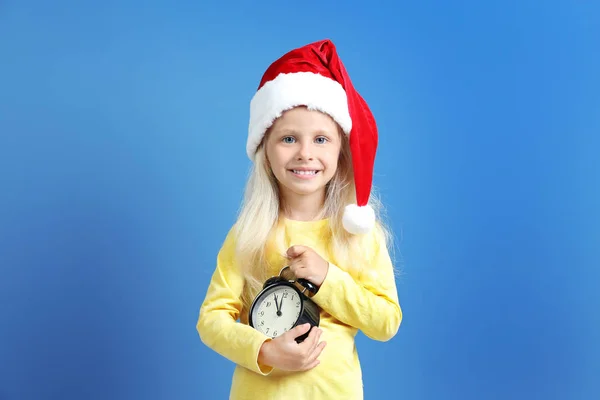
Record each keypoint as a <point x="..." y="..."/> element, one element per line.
<point x="283" y="303"/>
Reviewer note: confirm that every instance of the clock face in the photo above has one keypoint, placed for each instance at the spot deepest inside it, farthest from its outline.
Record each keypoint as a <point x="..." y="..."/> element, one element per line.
<point x="276" y="311"/>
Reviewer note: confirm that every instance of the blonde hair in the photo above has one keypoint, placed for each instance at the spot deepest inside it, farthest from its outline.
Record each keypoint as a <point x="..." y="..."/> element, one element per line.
<point x="258" y="220"/>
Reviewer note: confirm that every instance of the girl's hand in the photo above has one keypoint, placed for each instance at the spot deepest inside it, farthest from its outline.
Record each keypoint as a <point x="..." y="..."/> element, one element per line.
<point x="284" y="353"/>
<point x="306" y="263"/>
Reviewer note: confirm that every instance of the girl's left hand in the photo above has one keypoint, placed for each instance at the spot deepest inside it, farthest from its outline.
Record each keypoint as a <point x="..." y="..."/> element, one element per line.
<point x="307" y="264"/>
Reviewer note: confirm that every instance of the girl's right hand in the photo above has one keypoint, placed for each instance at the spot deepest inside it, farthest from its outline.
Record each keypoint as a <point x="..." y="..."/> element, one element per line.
<point x="284" y="353"/>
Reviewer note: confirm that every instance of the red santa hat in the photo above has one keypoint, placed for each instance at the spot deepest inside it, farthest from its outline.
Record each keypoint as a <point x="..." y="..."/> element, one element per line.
<point x="314" y="76"/>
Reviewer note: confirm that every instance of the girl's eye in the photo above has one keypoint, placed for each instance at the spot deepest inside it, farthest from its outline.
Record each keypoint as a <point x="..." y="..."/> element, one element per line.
<point x="321" y="140"/>
<point x="288" y="139"/>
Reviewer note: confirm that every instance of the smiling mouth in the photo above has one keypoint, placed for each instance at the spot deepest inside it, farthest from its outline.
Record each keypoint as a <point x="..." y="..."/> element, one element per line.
<point x="305" y="172"/>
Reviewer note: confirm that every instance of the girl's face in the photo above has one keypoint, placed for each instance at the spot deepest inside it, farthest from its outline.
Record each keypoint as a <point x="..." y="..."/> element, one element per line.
<point x="303" y="149"/>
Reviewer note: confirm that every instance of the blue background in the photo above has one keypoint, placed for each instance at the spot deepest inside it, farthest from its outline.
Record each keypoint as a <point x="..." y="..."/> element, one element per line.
<point x="122" y="165"/>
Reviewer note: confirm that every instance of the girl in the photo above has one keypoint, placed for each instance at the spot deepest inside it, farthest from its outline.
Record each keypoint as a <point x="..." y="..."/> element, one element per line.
<point x="308" y="206"/>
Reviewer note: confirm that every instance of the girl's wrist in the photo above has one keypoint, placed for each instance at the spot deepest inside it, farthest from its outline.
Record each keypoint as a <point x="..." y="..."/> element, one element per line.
<point x="264" y="355"/>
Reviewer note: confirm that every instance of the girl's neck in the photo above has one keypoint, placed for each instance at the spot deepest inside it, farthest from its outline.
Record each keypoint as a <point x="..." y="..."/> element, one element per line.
<point x="303" y="208"/>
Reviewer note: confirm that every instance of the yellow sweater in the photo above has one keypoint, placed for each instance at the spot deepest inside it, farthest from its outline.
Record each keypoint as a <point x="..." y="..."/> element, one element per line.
<point x="347" y="305"/>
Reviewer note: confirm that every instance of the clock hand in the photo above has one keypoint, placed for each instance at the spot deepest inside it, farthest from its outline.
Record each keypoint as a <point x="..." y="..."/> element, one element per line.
<point x="277" y="305"/>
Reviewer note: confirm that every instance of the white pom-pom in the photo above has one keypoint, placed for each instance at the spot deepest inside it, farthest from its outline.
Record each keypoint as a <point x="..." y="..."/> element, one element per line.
<point x="358" y="220"/>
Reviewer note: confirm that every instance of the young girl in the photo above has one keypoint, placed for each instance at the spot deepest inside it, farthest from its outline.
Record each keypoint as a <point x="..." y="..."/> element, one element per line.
<point x="312" y="140"/>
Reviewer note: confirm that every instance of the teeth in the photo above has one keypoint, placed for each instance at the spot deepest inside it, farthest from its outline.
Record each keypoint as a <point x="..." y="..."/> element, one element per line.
<point x="304" y="172"/>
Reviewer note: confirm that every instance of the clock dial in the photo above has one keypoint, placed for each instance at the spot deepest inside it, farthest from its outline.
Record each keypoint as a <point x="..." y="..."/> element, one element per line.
<point x="276" y="311"/>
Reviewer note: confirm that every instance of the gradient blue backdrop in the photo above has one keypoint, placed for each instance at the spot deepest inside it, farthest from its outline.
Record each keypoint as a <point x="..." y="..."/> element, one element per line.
<point x="122" y="164"/>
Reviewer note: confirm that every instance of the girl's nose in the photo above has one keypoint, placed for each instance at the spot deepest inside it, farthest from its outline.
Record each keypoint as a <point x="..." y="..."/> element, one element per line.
<point x="305" y="151"/>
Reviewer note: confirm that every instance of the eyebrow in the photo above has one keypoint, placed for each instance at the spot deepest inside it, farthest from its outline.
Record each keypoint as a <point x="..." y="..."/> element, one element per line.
<point x="292" y="131"/>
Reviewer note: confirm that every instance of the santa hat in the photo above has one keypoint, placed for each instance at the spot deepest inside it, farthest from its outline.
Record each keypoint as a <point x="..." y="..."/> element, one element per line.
<point x="314" y="76"/>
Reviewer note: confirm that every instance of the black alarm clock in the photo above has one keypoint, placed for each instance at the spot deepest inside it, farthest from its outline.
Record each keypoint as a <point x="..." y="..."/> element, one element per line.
<point x="284" y="303"/>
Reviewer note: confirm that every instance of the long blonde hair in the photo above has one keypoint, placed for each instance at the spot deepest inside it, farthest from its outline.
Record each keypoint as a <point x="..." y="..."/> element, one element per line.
<point x="258" y="220"/>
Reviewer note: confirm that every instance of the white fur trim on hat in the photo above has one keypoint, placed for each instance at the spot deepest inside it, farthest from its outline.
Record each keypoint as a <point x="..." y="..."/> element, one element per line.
<point x="289" y="90"/>
<point x="358" y="220"/>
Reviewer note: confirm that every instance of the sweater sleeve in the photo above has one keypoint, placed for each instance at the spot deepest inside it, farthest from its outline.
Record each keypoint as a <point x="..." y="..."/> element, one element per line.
<point x="369" y="304"/>
<point x="217" y="323"/>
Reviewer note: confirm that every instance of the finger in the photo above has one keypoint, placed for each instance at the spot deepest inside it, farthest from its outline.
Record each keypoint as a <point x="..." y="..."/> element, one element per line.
<point x="310" y="342"/>
<point x="295" y="263"/>
<point x="313" y="360"/>
<point x="319" y="349"/>
<point x="295" y="251"/>
<point x="298" y="269"/>
<point x="317" y="338"/>
<point x="311" y="365"/>
<point x="297" y="331"/>
<point x="316" y="352"/>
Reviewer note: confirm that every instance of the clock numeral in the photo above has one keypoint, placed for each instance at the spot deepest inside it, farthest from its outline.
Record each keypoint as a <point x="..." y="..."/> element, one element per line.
<point x="262" y="323"/>
<point x="268" y="304"/>
<point x="262" y="313"/>
<point x="268" y="330"/>
<point x="275" y="333"/>
<point x="285" y="295"/>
